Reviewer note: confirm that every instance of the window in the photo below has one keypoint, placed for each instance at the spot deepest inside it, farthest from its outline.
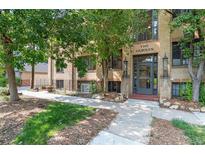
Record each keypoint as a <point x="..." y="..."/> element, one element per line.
<point x="176" y="88"/>
<point x="84" y="86"/>
<point x="151" y="32"/>
<point x="114" y="86"/>
<point x="116" y="61"/>
<point x="59" y="84"/>
<point x="177" y="55"/>
<point x="89" y="62"/>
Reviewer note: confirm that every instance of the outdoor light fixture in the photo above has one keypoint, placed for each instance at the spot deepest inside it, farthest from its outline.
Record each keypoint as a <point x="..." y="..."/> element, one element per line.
<point x="125" y="68"/>
<point x="165" y="66"/>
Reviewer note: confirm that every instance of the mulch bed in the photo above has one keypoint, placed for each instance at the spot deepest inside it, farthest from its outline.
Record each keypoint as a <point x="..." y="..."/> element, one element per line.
<point x="163" y="133"/>
<point x="85" y="130"/>
<point x="14" y="114"/>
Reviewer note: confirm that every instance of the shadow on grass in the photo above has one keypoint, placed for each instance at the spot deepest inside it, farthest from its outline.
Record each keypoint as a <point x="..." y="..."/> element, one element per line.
<point x="42" y="126"/>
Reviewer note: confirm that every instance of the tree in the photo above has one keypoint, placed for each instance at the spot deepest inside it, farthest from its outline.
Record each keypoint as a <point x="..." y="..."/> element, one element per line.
<point x="68" y="39"/>
<point x="33" y="57"/>
<point x="18" y="30"/>
<point x="109" y="31"/>
<point x="192" y="24"/>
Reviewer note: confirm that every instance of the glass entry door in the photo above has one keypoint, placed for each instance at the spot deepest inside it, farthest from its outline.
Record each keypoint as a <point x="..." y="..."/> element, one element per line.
<point x="145" y="79"/>
<point x="145" y="74"/>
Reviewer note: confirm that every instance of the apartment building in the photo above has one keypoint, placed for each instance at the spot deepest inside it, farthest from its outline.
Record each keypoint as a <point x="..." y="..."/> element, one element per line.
<point x="152" y="67"/>
<point x="40" y="76"/>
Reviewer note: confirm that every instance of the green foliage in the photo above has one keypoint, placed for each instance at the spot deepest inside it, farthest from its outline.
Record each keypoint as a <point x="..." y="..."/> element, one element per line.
<point x="70" y="36"/>
<point x="23" y="33"/>
<point x="195" y="133"/>
<point x="81" y="66"/>
<point x="111" y="30"/>
<point x="93" y="88"/>
<point x="3" y="81"/>
<point x="186" y="93"/>
<point x="192" y="24"/>
<point x="202" y="95"/>
<point x="4" y="91"/>
<point x="18" y="81"/>
<point x="44" y="125"/>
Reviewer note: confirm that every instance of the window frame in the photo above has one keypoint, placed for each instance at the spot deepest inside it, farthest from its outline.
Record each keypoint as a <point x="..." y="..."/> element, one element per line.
<point x="90" y="65"/>
<point x="59" y="85"/>
<point x="181" y="56"/>
<point x="118" y="59"/>
<point x="180" y="84"/>
<point x="149" y="32"/>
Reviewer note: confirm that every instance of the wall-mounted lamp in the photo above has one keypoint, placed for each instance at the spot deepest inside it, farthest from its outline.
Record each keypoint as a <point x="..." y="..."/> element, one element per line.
<point x="165" y="66"/>
<point x="125" y="68"/>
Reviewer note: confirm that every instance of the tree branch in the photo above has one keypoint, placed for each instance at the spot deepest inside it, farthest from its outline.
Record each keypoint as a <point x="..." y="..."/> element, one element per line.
<point x="170" y="12"/>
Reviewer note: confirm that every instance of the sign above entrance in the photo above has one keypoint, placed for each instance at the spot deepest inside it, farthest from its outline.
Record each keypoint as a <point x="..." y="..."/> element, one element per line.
<point x="144" y="48"/>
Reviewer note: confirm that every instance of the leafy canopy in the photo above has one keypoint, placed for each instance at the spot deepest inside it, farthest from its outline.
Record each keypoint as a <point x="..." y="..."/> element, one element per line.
<point x="25" y="33"/>
<point x="192" y="24"/>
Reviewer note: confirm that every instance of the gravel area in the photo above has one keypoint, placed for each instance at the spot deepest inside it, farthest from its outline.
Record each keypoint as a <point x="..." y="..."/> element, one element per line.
<point x="14" y="114"/>
<point x="85" y="130"/>
<point x="163" y="133"/>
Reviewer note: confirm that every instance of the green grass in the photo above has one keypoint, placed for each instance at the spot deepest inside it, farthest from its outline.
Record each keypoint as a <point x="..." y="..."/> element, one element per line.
<point x="39" y="128"/>
<point x="195" y="133"/>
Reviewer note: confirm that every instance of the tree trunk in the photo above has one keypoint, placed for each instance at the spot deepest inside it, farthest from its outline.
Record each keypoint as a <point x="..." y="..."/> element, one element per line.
<point x="105" y="75"/>
<point x="195" y="90"/>
<point x="32" y="75"/>
<point x="73" y="78"/>
<point x="12" y="83"/>
<point x="196" y="79"/>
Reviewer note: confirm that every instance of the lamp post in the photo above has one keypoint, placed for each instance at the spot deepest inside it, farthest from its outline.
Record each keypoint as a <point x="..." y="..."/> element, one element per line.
<point x="165" y="66"/>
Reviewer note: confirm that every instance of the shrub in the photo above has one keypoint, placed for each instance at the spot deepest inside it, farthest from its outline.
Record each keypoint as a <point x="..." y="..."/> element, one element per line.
<point x="4" y="91"/>
<point x="93" y="88"/>
<point x="186" y="92"/>
<point x="3" y="81"/>
<point x="18" y="81"/>
<point x="202" y="95"/>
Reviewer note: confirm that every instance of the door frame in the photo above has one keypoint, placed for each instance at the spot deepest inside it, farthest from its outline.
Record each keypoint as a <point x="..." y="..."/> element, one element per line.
<point x="135" y="84"/>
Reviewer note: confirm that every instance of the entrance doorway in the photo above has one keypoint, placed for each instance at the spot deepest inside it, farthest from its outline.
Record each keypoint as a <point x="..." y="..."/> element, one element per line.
<point x="145" y="74"/>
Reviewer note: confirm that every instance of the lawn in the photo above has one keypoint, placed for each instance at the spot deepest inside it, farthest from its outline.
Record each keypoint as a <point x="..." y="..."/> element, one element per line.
<point x="42" y="126"/>
<point x="195" y="133"/>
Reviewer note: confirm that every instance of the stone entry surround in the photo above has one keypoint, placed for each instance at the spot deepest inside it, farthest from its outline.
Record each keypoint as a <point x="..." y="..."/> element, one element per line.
<point x="133" y="123"/>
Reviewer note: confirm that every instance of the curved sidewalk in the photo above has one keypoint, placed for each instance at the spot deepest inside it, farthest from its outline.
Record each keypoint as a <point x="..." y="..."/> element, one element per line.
<point x="133" y="122"/>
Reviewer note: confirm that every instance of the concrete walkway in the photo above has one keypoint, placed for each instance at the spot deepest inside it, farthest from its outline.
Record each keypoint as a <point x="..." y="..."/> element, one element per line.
<point x="132" y="124"/>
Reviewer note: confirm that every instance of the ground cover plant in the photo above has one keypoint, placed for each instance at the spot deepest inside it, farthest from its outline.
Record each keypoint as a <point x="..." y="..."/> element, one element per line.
<point x="195" y="133"/>
<point x="42" y="126"/>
